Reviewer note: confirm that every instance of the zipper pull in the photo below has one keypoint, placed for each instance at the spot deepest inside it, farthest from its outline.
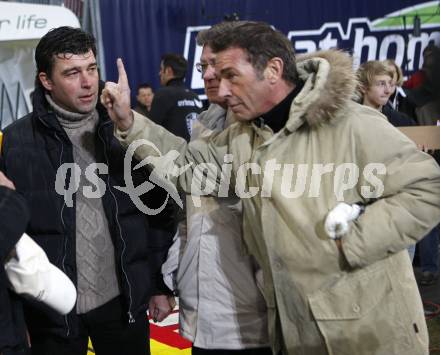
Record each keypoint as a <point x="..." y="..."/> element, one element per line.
<point x="130" y="318"/>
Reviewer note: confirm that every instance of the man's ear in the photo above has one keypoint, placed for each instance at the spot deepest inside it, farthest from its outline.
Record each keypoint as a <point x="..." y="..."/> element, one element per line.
<point x="362" y="93"/>
<point x="363" y="90"/>
<point x="45" y="81"/>
<point x="274" y="69"/>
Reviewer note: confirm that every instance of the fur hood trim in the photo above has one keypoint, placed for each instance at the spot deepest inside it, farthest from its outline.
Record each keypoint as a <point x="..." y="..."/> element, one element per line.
<point x="330" y="82"/>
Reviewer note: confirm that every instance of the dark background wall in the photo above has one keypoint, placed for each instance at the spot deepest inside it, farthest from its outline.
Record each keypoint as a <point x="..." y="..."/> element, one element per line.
<point x="140" y="31"/>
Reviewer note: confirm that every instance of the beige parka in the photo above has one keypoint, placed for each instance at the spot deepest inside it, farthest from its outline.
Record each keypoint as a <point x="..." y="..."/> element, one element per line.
<point x="321" y="301"/>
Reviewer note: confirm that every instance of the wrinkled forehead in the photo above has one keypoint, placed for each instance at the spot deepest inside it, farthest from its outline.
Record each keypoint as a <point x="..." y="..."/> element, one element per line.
<point x="70" y="59"/>
<point x="69" y="55"/>
<point x="207" y="53"/>
<point x="230" y="58"/>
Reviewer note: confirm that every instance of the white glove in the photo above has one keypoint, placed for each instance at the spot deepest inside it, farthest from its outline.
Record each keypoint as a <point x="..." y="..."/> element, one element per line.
<point x="32" y="275"/>
<point x="336" y="223"/>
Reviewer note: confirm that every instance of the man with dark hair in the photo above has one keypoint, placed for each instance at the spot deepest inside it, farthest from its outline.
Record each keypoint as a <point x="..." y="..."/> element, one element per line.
<point x="331" y="239"/>
<point x="174" y="106"/>
<point x="210" y="260"/>
<point x="144" y="99"/>
<point x="64" y="159"/>
<point x="172" y="66"/>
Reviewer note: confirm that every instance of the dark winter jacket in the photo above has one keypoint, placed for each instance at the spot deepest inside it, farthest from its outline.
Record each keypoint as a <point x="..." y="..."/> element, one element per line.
<point x="175" y="108"/>
<point x="14" y="217"/>
<point x="34" y="148"/>
<point x="396" y="118"/>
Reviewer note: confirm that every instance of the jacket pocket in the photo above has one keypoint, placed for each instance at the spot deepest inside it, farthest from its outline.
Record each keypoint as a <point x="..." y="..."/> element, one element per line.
<point x="362" y="314"/>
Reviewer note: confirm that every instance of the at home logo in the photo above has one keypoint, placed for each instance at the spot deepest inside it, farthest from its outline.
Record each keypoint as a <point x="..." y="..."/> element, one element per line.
<point x="368" y="40"/>
<point x="379" y="39"/>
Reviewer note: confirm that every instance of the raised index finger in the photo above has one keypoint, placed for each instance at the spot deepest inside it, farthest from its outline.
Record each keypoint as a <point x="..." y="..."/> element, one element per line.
<point x="123" y="80"/>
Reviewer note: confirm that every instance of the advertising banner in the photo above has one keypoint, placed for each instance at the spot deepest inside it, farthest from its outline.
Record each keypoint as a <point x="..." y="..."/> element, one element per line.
<point x="141" y="31"/>
<point x="21" y="26"/>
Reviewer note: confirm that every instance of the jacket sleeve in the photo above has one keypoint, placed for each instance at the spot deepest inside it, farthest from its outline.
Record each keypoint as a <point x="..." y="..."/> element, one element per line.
<point x="162" y="228"/>
<point x="185" y="159"/>
<point x="160" y="106"/>
<point x="409" y="206"/>
<point x="156" y="141"/>
<point x="162" y="231"/>
<point x="14" y="217"/>
<point x="159" y="243"/>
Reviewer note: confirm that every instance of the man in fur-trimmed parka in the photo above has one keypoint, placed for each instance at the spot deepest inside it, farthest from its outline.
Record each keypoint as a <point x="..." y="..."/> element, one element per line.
<point x="307" y="161"/>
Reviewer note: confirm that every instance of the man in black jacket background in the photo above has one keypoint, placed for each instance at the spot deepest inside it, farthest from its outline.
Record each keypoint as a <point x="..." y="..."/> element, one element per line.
<point x="174" y="106"/>
<point x="64" y="159"/>
<point x="14" y="216"/>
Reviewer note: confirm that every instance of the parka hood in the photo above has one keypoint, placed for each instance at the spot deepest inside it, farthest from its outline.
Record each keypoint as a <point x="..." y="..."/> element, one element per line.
<point x="330" y="82"/>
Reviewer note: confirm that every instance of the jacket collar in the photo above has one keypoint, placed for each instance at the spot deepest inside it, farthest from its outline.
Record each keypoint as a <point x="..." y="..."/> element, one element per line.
<point x="278" y="116"/>
<point x="175" y="82"/>
<point x="329" y="83"/>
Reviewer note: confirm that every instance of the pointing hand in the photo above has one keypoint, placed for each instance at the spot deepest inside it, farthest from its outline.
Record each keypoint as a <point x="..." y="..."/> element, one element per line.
<point x="116" y="98"/>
